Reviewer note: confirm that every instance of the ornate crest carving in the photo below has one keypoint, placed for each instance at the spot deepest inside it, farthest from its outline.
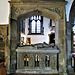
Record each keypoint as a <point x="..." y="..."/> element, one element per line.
<point x="17" y="11"/>
<point x="56" y="10"/>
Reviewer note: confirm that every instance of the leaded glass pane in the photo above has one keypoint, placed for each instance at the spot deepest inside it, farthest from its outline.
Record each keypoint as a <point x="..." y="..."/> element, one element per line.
<point x="33" y="31"/>
<point x="32" y="18"/>
<point x="33" y="26"/>
<point x="35" y="23"/>
<point x="74" y="21"/>
<point x="38" y="31"/>
<point x="74" y="26"/>
<point x="39" y="17"/>
<point x="38" y="28"/>
<point x="74" y="29"/>
<point x="20" y="26"/>
<point x="38" y="23"/>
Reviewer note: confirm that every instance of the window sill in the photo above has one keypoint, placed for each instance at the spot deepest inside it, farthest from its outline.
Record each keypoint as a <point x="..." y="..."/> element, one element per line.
<point x="36" y="34"/>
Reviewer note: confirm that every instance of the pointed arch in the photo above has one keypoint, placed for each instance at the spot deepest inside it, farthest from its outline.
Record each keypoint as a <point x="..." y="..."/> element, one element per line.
<point x="49" y="13"/>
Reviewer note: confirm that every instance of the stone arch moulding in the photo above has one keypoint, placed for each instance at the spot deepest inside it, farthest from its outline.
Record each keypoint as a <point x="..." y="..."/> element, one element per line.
<point x="49" y="13"/>
<point x="54" y="14"/>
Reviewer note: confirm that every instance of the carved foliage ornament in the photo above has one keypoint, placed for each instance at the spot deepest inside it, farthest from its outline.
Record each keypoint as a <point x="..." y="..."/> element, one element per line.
<point x="3" y="33"/>
<point x="56" y="10"/>
<point x="16" y="11"/>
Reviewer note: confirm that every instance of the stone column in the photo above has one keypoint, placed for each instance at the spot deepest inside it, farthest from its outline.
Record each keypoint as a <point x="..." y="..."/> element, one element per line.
<point x="62" y="46"/>
<point x="69" y="49"/>
<point x="13" y="45"/>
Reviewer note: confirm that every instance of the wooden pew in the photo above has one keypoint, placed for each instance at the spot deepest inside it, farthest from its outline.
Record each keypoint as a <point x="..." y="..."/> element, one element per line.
<point x="2" y="69"/>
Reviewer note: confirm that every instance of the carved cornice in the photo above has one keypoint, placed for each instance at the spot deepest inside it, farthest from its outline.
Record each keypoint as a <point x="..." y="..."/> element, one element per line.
<point x="44" y="2"/>
<point x="16" y="11"/>
<point x="36" y="0"/>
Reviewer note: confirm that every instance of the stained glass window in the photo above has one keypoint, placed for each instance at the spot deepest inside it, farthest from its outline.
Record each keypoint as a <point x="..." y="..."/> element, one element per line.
<point x="36" y="24"/>
<point x="22" y="26"/>
<point x="74" y="36"/>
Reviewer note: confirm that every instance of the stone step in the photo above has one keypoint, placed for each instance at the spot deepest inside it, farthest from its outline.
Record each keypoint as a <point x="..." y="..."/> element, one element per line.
<point x="31" y="74"/>
<point x="71" y="74"/>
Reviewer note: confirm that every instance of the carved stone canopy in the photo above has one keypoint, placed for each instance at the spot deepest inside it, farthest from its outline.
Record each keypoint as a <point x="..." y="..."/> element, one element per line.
<point x="18" y="12"/>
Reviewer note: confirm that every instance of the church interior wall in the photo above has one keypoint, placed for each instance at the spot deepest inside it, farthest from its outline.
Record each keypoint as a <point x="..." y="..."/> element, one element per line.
<point x="60" y="38"/>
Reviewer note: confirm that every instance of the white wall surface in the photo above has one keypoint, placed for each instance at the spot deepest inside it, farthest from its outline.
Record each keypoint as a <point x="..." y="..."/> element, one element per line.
<point x="4" y="12"/>
<point x="68" y="7"/>
<point x="39" y="38"/>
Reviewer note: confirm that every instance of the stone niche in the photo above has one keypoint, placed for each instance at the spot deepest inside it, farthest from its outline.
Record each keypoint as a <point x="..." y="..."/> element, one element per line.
<point x="53" y="9"/>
